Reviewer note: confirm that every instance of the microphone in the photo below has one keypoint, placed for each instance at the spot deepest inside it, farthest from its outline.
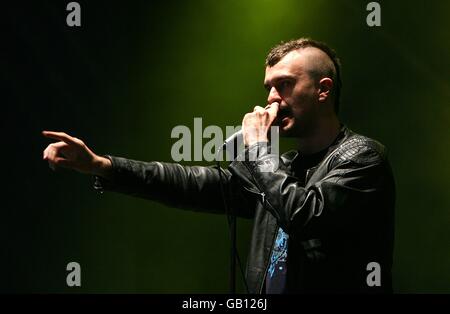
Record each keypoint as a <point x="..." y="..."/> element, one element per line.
<point x="237" y="136"/>
<point x="231" y="145"/>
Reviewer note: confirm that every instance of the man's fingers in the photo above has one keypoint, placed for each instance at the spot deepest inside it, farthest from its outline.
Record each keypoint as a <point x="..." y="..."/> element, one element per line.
<point x="62" y="162"/>
<point x="58" y="146"/>
<point x="59" y="136"/>
<point x="258" y="108"/>
<point x="51" y="154"/>
<point x="273" y="109"/>
<point x="58" y="162"/>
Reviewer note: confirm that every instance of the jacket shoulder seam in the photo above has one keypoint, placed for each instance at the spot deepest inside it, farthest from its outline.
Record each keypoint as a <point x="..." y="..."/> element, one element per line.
<point x="360" y="149"/>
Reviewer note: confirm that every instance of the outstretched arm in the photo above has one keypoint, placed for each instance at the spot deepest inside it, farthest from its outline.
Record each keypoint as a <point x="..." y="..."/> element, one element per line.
<point x="195" y="187"/>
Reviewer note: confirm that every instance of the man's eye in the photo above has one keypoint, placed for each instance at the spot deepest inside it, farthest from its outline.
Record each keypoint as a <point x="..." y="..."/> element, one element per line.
<point x="283" y="85"/>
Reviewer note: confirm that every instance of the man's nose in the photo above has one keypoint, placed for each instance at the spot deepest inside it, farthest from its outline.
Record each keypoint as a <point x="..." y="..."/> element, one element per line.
<point x="273" y="96"/>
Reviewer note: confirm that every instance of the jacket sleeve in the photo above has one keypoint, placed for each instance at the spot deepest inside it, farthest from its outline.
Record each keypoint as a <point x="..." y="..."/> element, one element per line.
<point x="357" y="178"/>
<point x="195" y="188"/>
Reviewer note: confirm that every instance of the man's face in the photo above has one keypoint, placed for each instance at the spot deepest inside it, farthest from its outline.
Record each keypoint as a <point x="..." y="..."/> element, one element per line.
<point x="290" y="84"/>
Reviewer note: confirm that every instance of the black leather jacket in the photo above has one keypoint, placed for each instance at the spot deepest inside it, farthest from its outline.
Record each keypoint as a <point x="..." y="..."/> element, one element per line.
<point x="341" y="220"/>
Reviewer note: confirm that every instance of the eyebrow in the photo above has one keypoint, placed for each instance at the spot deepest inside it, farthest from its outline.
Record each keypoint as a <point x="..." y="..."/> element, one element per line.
<point x="279" y="78"/>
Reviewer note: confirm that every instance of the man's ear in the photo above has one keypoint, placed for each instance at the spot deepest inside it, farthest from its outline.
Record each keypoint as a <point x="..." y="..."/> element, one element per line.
<point x="325" y="86"/>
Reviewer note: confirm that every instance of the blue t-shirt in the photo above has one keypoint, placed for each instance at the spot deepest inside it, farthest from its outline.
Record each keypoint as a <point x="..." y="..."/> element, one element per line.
<point x="276" y="274"/>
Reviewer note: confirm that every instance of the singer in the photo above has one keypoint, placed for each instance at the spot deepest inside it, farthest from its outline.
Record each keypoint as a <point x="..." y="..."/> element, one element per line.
<point x="323" y="214"/>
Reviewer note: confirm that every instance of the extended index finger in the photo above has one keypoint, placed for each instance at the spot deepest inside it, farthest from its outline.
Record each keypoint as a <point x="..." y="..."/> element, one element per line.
<point x="59" y="136"/>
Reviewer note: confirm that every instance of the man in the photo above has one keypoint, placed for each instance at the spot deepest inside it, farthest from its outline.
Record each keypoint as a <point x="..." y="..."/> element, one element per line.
<point x="323" y="215"/>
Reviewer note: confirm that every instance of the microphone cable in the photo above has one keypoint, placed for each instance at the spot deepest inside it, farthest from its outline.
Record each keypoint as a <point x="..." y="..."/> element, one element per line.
<point x="232" y="231"/>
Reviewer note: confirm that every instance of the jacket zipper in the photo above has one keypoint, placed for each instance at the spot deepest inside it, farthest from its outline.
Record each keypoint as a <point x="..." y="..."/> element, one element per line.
<point x="263" y="195"/>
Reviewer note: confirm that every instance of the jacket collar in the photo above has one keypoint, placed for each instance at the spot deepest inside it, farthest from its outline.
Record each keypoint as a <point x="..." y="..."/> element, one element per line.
<point x="290" y="156"/>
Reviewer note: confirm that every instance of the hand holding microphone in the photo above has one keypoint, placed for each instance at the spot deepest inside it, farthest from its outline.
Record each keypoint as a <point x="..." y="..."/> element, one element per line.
<point x="256" y="124"/>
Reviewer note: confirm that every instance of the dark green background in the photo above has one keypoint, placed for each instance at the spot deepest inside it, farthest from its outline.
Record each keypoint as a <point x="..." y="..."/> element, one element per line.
<point x="134" y="70"/>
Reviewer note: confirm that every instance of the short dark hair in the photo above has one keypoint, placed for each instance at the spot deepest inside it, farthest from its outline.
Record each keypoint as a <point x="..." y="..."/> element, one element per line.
<point x="282" y="49"/>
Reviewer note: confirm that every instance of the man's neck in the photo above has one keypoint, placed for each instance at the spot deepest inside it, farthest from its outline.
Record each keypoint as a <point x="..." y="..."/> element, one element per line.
<point x="323" y="136"/>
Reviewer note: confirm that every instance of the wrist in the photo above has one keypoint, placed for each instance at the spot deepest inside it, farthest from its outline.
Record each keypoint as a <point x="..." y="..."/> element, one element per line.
<point x="253" y="141"/>
<point x="102" y="166"/>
